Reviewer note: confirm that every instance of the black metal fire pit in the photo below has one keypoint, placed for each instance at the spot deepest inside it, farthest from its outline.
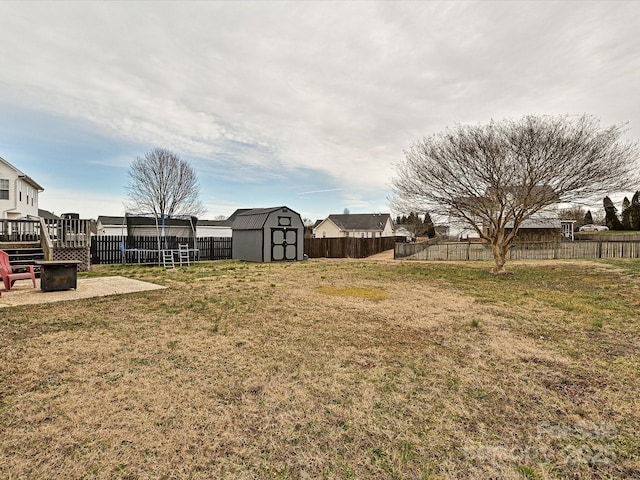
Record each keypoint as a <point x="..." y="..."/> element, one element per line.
<point x="58" y="275"/>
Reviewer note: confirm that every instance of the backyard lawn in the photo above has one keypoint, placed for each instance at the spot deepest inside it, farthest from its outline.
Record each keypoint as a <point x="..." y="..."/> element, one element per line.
<point x="333" y="369"/>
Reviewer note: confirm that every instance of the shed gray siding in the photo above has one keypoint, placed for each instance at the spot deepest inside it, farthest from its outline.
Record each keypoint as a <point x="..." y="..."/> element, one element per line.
<point x="264" y="235"/>
<point x="247" y="245"/>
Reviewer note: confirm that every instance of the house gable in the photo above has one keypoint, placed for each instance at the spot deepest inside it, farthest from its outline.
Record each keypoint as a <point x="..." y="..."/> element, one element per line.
<point x="18" y="192"/>
<point x="107" y="225"/>
<point x="327" y="229"/>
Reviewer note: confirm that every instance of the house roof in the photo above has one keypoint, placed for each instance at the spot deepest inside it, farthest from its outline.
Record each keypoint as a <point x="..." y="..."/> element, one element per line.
<point x="146" y="220"/>
<point x="47" y="214"/>
<point x="360" y="221"/>
<point x="23" y="176"/>
<point x="215" y="223"/>
<point x="107" y="220"/>
<point x="402" y="231"/>
<point x="538" y="223"/>
<point x="254" y="218"/>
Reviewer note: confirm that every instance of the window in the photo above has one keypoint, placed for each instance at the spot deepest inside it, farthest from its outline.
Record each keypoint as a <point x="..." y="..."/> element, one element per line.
<point x="4" y="189"/>
<point x="284" y="221"/>
<point x="324" y="234"/>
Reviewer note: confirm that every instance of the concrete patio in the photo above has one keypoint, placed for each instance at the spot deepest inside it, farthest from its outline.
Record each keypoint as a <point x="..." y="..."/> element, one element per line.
<point x="22" y="293"/>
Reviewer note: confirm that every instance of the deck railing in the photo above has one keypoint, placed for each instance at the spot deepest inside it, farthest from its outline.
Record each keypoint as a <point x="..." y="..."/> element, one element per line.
<point x="68" y="232"/>
<point x="55" y="233"/>
<point x="19" y="230"/>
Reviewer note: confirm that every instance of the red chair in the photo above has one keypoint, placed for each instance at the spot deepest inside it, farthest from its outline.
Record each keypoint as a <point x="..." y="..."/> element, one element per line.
<point x="9" y="274"/>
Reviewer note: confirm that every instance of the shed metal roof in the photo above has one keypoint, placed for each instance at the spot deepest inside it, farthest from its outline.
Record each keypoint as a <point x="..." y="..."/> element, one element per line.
<point x="255" y="218"/>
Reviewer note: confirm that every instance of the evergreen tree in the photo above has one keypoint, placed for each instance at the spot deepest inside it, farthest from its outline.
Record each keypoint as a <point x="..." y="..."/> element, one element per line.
<point x="625" y="216"/>
<point x="634" y="215"/>
<point x="611" y="215"/>
<point x="428" y="225"/>
<point x="588" y="218"/>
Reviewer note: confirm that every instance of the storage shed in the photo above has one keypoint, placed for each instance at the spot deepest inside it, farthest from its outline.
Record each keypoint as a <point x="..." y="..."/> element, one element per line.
<point x="267" y="235"/>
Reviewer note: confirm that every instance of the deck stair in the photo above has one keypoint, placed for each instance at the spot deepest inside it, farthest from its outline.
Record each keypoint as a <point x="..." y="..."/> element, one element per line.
<point x="23" y="253"/>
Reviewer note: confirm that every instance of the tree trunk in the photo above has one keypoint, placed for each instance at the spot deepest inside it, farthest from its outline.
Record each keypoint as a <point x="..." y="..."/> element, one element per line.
<point x="500" y="257"/>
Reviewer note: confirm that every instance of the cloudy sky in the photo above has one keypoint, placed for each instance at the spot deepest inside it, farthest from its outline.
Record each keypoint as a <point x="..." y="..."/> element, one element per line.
<point x="304" y="104"/>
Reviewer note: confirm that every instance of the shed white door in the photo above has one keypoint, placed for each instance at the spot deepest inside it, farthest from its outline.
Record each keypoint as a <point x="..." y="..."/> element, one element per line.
<point x="284" y="244"/>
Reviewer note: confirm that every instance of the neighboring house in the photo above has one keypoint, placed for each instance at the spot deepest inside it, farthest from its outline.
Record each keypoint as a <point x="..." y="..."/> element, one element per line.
<point x="146" y="225"/>
<point x="402" y="231"/>
<point x="459" y="230"/>
<point x="358" y="225"/>
<point x="214" y="228"/>
<point x="544" y="225"/>
<point x="107" y="225"/>
<point x="219" y="228"/>
<point x="47" y="215"/>
<point x="18" y="193"/>
<point x="152" y="226"/>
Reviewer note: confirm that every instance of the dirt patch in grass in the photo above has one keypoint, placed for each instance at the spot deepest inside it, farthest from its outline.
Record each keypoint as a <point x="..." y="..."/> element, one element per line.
<point x="283" y="371"/>
<point x="370" y="293"/>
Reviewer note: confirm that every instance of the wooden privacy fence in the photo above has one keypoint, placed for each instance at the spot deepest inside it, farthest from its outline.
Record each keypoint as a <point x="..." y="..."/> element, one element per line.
<point x="109" y="249"/>
<point x="347" y="247"/>
<point x="520" y="251"/>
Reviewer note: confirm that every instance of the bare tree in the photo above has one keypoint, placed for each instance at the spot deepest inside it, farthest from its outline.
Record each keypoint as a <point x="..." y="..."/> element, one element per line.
<point x="164" y="184"/>
<point x="495" y="176"/>
<point x="574" y="212"/>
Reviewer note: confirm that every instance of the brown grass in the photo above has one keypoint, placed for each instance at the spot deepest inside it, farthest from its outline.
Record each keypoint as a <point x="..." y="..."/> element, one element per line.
<point x="329" y="369"/>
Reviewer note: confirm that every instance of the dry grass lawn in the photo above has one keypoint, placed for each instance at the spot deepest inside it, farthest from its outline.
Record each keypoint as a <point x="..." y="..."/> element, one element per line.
<point x="330" y="369"/>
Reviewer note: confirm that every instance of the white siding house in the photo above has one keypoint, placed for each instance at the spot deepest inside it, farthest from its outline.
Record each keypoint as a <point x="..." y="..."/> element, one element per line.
<point x="214" y="228"/>
<point x="18" y="193"/>
<point x="107" y="225"/>
<point x="544" y="224"/>
<point x="359" y="225"/>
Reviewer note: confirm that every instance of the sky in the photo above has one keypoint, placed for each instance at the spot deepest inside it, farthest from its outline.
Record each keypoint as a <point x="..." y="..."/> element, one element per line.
<point x="306" y="104"/>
